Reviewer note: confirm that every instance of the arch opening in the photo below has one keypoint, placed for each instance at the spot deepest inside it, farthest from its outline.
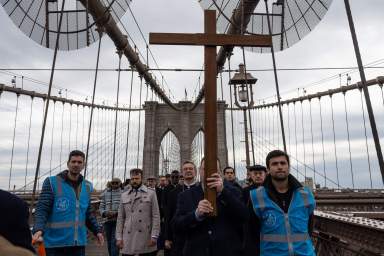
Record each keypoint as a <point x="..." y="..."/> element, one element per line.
<point x="169" y="153"/>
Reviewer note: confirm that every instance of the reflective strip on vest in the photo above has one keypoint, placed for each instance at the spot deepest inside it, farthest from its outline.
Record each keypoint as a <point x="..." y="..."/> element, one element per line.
<point x="283" y="238"/>
<point x="59" y="186"/>
<point x="305" y="196"/>
<point x="288" y="236"/>
<point x="65" y="224"/>
<point x="260" y="198"/>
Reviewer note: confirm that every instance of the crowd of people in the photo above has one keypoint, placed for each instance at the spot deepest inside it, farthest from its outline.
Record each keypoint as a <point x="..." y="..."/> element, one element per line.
<point x="269" y="214"/>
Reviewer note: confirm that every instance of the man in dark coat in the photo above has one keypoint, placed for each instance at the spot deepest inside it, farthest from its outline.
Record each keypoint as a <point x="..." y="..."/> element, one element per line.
<point x="251" y="241"/>
<point x="175" y="241"/>
<point x="211" y="236"/>
<point x="14" y="220"/>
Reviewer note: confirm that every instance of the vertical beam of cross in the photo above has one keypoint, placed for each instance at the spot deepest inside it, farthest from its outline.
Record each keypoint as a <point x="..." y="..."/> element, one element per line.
<point x="210" y="107"/>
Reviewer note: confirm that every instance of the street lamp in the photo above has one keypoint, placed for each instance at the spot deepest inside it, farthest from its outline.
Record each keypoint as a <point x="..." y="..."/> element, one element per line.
<point x="242" y="87"/>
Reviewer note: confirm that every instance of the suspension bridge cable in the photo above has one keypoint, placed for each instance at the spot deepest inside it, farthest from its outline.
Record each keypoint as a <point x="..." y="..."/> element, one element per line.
<point x="62" y="131"/>
<point x="289" y="128"/>
<point x="28" y="141"/>
<point x="334" y="143"/>
<point x="322" y="142"/>
<point x="100" y="31"/>
<point x="52" y="136"/>
<point x="303" y="137"/>
<point x="271" y="146"/>
<point x="82" y="129"/>
<point x="47" y="107"/>
<point x="276" y="79"/>
<point x="231" y="102"/>
<point x="138" y="131"/>
<point x="366" y="138"/>
<point x="70" y="128"/>
<point x="77" y="124"/>
<point x="116" y="115"/>
<point x="13" y="141"/>
<point x="128" y="126"/>
<point x="312" y="143"/>
<point x="296" y="154"/>
<point x="349" y="141"/>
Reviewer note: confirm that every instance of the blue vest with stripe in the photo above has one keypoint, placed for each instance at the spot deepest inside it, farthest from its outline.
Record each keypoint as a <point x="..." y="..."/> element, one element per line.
<point x="283" y="234"/>
<point x="66" y="223"/>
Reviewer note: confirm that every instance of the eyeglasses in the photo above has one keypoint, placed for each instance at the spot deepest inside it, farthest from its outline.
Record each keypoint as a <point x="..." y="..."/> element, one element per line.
<point x="115" y="183"/>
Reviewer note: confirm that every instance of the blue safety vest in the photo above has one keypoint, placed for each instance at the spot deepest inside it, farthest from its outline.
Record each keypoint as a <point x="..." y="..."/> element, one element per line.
<point x="283" y="234"/>
<point x="66" y="223"/>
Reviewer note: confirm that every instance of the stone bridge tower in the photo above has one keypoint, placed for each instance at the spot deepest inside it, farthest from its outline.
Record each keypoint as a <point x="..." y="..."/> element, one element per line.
<point x="160" y="118"/>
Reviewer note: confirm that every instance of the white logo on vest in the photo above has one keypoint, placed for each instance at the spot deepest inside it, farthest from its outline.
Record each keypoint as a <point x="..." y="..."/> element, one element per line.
<point x="62" y="204"/>
<point x="269" y="219"/>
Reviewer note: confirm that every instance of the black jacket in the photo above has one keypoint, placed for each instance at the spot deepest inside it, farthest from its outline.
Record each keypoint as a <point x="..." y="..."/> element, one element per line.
<point x="178" y="239"/>
<point x="14" y="215"/>
<point x="217" y="236"/>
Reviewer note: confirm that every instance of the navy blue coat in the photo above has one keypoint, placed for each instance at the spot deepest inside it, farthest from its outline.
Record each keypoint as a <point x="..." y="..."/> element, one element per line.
<point x="216" y="236"/>
<point x="14" y="215"/>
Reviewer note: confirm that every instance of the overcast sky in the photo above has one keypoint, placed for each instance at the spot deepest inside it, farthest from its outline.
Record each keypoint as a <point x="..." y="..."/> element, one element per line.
<point x="328" y="45"/>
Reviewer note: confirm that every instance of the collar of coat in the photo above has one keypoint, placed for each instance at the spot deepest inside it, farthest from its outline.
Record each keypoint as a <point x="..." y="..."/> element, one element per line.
<point x="142" y="188"/>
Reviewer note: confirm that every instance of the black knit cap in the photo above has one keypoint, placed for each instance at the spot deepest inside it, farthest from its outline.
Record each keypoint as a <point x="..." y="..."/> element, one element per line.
<point x="257" y="167"/>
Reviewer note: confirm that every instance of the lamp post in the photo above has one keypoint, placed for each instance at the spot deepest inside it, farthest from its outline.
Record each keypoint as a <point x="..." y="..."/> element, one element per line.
<point x="242" y="89"/>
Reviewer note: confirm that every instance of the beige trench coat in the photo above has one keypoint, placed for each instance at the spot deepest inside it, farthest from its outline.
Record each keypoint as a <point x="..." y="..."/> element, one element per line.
<point x="138" y="220"/>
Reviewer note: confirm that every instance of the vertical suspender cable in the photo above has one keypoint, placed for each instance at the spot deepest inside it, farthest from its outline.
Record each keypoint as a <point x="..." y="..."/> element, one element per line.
<point x="77" y="124"/>
<point x="46" y="108"/>
<point x="52" y="137"/>
<point x="28" y="144"/>
<point x="366" y="138"/>
<point x="313" y="148"/>
<point x="382" y="94"/>
<point x="322" y="143"/>
<point x="289" y="128"/>
<point x="334" y="143"/>
<point x="82" y="131"/>
<point x="120" y="53"/>
<point x="231" y="102"/>
<point x="349" y="141"/>
<point x="303" y="137"/>
<point x="221" y="84"/>
<point x="128" y="126"/>
<point x="296" y="156"/>
<point x="70" y="127"/>
<point x="138" y="132"/>
<point x="276" y="80"/>
<point x="62" y="131"/>
<point x="13" y="141"/>
<point x="273" y="126"/>
<point x="100" y="31"/>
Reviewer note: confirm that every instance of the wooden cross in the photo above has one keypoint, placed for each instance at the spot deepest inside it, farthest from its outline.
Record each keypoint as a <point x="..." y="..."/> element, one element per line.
<point x="209" y="39"/>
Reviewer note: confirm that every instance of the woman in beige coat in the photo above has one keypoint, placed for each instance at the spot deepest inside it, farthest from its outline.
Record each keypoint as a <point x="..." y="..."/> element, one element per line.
<point x="138" y="221"/>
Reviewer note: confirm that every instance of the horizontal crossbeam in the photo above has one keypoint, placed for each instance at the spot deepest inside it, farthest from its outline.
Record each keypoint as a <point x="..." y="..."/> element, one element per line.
<point x="210" y="40"/>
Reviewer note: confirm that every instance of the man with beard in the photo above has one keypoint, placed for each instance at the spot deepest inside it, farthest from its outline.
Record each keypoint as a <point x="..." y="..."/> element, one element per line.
<point x="174" y="242"/>
<point x="284" y="209"/>
<point x="138" y="220"/>
<point x="63" y="211"/>
<point x="211" y="236"/>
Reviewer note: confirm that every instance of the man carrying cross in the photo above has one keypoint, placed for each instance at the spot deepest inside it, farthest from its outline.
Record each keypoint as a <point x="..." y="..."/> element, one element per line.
<point x="209" y="225"/>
